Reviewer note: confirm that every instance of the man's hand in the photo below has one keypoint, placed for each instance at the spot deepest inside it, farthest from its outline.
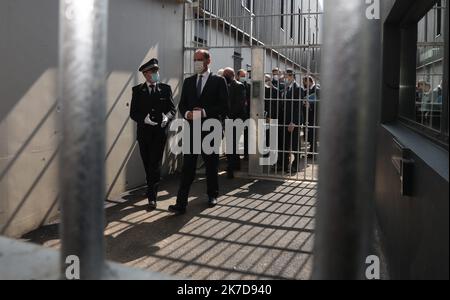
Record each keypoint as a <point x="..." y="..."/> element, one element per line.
<point x="291" y="127"/>
<point x="149" y="122"/>
<point x="165" y="121"/>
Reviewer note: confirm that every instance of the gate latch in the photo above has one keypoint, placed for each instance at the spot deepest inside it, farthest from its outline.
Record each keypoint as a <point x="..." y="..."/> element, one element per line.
<point x="405" y="168"/>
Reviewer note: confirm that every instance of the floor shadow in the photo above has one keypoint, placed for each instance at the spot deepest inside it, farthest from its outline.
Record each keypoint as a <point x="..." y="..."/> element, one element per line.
<point x="141" y="239"/>
<point x="258" y="230"/>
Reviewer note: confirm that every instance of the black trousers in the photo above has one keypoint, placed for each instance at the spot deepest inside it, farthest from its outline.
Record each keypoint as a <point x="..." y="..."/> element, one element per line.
<point x="152" y="147"/>
<point x="189" y="172"/>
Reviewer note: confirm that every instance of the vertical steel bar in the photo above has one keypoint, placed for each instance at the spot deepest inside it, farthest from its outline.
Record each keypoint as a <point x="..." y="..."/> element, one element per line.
<point x="230" y="18"/>
<point x="185" y="37"/>
<point x="208" y="11"/>
<point x="224" y="10"/>
<point x="352" y="54"/>
<point x="83" y="59"/>
<point x="217" y="24"/>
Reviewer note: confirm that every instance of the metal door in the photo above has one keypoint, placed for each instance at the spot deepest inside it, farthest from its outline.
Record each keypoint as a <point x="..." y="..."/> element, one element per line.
<point x="269" y="35"/>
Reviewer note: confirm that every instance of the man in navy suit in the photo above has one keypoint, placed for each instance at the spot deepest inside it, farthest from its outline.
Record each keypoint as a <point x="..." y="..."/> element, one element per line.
<point x="205" y="96"/>
<point x="152" y="108"/>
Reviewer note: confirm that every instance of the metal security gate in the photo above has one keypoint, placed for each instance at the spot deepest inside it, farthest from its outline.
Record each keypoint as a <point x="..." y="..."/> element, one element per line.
<point x="274" y="41"/>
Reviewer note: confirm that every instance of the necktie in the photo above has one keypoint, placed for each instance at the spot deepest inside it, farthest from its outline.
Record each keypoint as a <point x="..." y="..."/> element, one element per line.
<point x="152" y="90"/>
<point x="199" y="85"/>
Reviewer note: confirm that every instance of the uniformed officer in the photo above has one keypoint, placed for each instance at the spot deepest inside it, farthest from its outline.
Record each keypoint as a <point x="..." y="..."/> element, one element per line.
<point x="152" y="108"/>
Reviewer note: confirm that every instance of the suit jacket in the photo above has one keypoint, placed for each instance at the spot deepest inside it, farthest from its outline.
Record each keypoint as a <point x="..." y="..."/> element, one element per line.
<point x="143" y="104"/>
<point x="237" y="100"/>
<point x="214" y="98"/>
<point x="293" y="104"/>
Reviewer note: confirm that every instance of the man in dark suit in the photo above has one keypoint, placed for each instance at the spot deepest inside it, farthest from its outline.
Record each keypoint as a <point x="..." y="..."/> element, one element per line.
<point x="236" y="111"/>
<point x="152" y="108"/>
<point x="292" y="121"/>
<point x="204" y="96"/>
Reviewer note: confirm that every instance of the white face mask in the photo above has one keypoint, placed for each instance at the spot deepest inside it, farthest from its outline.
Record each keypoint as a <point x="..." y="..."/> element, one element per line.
<point x="198" y="67"/>
<point x="276" y="77"/>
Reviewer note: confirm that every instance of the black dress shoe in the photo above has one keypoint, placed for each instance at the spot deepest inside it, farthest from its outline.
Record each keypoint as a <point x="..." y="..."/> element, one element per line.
<point x="212" y="202"/>
<point x="179" y="210"/>
<point x="152" y="204"/>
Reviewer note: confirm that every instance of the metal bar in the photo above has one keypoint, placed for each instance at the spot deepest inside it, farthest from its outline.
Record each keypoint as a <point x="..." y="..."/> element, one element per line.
<point x="217" y="25"/>
<point x="83" y="39"/>
<point x="352" y="54"/>
<point x="251" y="23"/>
<point x="183" y="58"/>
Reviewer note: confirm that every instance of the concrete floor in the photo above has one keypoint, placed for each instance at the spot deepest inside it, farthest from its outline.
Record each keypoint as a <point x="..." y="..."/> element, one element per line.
<point x="259" y="230"/>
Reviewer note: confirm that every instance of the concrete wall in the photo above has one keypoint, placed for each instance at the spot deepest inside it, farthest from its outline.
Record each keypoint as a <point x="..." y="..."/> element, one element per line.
<point x="29" y="135"/>
<point x="414" y="228"/>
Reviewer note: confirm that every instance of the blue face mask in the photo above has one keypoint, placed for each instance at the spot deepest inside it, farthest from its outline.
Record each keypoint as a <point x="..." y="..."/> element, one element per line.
<point x="243" y="79"/>
<point x="155" y="77"/>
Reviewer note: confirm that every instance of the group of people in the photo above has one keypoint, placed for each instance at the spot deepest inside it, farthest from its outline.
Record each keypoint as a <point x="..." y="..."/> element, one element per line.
<point x="207" y="96"/>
